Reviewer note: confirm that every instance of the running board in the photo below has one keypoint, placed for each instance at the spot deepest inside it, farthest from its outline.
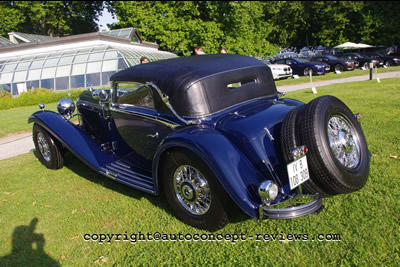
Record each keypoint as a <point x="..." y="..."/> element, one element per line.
<point x="125" y="171"/>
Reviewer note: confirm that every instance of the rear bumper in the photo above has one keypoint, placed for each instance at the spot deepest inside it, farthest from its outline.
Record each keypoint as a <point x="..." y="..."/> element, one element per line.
<point x="295" y="207"/>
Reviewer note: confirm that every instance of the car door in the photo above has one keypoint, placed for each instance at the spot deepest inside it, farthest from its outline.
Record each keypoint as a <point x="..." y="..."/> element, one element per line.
<point x="137" y="119"/>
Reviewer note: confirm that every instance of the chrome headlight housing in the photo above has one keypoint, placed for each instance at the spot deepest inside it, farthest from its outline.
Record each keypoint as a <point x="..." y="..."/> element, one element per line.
<point x="66" y="107"/>
<point x="268" y="191"/>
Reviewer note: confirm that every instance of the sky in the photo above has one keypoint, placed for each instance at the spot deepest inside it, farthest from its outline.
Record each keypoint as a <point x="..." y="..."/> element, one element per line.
<point x="105" y="19"/>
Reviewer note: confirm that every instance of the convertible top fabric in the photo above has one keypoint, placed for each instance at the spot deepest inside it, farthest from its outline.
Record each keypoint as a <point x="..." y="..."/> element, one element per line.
<point x="201" y="85"/>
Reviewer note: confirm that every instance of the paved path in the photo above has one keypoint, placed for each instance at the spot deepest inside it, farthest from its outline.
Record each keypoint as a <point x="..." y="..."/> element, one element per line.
<point x="17" y="144"/>
<point x="288" y="88"/>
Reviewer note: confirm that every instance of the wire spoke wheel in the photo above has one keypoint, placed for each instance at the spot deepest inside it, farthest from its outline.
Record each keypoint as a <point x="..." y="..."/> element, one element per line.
<point x="44" y="147"/>
<point x="192" y="190"/>
<point x="344" y="142"/>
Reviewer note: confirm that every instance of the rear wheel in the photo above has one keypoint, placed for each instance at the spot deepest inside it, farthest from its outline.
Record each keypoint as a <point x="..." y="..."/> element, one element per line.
<point x="193" y="192"/>
<point x="389" y="63"/>
<point x="48" y="150"/>
<point x="307" y="71"/>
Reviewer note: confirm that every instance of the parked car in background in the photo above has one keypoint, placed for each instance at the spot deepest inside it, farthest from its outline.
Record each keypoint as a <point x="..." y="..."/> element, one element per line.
<point x="363" y="60"/>
<point x="303" y="67"/>
<point x="388" y="60"/>
<point x="335" y="64"/>
<point x="279" y="71"/>
<point x="211" y="132"/>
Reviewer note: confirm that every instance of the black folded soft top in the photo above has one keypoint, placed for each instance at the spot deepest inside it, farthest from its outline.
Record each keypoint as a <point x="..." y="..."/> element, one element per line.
<point x="201" y="85"/>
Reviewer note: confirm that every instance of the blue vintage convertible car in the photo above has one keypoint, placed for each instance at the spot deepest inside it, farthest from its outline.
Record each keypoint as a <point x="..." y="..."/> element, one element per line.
<point x="210" y="132"/>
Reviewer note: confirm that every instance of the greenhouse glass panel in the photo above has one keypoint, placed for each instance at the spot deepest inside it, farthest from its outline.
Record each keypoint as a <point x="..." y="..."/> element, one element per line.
<point x="63" y="71"/>
<point x="109" y="65"/>
<point x="93" y="79"/>
<point x="47" y="83"/>
<point x="77" y="81"/>
<point x="110" y="55"/>
<point x="34" y="74"/>
<point x="5" y="87"/>
<point x="37" y="64"/>
<point x="96" y="56"/>
<point x="62" y="83"/>
<point x="20" y="76"/>
<point x="6" y="77"/>
<point x="9" y="67"/>
<point x="32" y="84"/>
<point x="65" y="60"/>
<point x="48" y="73"/>
<point x="23" y="65"/>
<point x="121" y="64"/>
<point x="105" y="77"/>
<point x="81" y="58"/>
<point x="93" y="67"/>
<point x="78" y="69"/>
<point x="51" y="62"/>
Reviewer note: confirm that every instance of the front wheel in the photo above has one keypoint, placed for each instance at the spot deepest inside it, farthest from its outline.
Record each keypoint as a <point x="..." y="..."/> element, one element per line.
<point x="193" y="192"/>
<point x="338" y="67"/>
<point x="47" y="149"/>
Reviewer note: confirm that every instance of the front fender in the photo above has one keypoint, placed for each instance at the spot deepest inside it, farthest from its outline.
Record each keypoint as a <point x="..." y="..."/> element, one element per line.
<point x="236" y="174"/>
<point x="73" y="138"/>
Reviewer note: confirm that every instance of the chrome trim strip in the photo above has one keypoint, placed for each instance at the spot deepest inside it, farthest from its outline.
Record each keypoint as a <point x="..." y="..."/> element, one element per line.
<point x="143" y="115"/>
<point x="298" y="206"/>
<point x="165" y="99"/>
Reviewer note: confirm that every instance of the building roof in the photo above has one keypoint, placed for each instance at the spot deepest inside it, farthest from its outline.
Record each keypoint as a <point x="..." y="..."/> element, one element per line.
<point x="35" y="61"/>
<point x="22" y="41"/>
<point x="5" y="41"/>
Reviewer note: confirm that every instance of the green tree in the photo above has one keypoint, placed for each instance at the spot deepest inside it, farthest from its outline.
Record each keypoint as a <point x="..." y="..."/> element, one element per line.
<point x="181" y="25"/>
<point x="53" y="18"/>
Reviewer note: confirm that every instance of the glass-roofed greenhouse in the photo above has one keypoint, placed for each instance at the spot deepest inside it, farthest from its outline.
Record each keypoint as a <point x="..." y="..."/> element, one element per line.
<point x="86" y="60"/>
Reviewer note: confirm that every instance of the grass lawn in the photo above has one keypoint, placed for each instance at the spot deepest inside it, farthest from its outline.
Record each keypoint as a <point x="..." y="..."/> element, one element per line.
<point x="16" y="119"/>
<point x="45" y="214"/>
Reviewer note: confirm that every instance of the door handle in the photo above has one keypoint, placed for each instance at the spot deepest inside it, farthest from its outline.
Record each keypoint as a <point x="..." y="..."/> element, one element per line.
<point x="153" y="135"/>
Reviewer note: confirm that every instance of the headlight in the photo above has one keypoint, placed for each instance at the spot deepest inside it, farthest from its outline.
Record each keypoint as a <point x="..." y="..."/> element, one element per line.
<point x="66" y="107"/>
<point x="268" y="191"/>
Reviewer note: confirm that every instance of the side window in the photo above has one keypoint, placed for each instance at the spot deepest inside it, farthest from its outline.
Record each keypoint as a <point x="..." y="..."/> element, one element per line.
<point x="136" y="94"/>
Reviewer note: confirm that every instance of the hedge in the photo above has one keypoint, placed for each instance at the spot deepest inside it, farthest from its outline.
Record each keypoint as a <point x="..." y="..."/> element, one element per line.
<point x="35" y="97"/>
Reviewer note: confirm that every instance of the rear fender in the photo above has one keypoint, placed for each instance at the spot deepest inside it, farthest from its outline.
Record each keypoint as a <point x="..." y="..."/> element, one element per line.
<point x="232" y="169"/>
<point x="73" y="138"/>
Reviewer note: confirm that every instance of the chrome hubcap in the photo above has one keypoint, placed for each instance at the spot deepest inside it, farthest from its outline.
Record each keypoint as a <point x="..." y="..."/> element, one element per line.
<point x="44" y="147"/>
<point x="192" y="190"/>
<point x="344" y="142"/>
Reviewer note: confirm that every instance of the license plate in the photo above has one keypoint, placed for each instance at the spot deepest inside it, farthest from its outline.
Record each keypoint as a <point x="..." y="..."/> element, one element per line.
<point x="298" y="172"/>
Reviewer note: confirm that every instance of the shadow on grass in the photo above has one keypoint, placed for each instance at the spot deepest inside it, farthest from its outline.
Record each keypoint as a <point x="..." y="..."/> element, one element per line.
<point x="27" y="248"/>
<point x="75" y="165"/>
